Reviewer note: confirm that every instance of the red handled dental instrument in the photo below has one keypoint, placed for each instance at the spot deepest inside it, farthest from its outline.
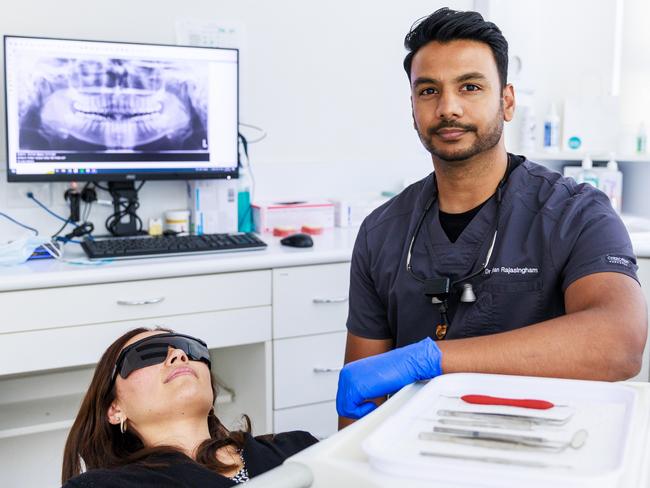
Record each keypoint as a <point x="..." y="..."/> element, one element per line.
<point x="510" y="402"/>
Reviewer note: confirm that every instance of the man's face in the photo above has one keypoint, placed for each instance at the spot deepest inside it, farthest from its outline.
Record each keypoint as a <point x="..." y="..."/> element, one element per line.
<point x="458" y="104"/>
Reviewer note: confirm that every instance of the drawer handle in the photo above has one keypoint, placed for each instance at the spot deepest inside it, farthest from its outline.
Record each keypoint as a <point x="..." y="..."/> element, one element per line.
<point x="327" y="370"/>
<point x="146" y="301"/>
<point x="331" y="300"/>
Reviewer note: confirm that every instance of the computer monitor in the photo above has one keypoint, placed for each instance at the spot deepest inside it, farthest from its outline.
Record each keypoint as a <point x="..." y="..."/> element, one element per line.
<point x="114" y="111"/>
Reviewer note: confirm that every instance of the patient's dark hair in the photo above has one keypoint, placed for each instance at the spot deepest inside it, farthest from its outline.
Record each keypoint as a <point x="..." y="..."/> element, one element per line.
<point x="97" y="443"/>
<point x="446" y="25"/>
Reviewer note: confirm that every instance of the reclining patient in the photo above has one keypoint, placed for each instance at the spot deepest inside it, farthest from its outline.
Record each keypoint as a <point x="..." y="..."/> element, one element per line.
<point x="148" y="420"/>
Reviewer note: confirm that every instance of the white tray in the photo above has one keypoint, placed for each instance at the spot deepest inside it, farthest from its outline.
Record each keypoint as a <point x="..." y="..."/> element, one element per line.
<point x="604" y="409"/>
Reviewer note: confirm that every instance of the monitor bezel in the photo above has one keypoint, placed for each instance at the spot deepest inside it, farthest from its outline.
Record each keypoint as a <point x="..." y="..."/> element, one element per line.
<point x="130" y="176"/>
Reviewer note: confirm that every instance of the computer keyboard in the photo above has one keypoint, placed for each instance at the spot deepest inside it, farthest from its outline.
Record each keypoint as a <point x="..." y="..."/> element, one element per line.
<point x="145" y="246"/>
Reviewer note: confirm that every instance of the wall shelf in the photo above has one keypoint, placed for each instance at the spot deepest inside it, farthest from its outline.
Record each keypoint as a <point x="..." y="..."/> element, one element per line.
<point x="579" y="156"/>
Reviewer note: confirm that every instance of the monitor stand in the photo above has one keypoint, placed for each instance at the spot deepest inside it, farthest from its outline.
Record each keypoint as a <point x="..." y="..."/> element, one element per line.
<point x="125" y="203"/>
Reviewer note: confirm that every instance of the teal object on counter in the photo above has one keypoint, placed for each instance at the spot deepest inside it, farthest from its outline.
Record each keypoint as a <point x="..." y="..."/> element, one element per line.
<point x="244" y="212"/>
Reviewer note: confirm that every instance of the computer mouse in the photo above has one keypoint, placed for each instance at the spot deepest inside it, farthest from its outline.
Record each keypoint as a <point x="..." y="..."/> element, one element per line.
<point x="297" y="240"/>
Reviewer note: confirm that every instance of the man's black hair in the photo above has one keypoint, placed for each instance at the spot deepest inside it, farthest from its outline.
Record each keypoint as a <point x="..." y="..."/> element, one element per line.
<point x="446" y="25"/>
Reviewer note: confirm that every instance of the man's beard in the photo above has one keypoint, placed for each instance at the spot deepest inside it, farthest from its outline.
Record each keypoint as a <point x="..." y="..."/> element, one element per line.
<point x="482" y="143"/>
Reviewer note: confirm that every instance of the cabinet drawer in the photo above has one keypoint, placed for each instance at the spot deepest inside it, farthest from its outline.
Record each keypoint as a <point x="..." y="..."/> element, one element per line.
<point x="81" y="305"/>
<point x="75" y="346"/>
<point x="310" y="299"/>
<point x="306" y="369"/>
<point x="319" y="419"/>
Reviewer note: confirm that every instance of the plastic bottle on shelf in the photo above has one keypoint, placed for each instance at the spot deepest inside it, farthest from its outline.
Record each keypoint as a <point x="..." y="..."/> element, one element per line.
<point x="641" y="140"/>
<point x="587" y="173"/>
<point x="611" y="183"/>
<point x="552" y="129"/>
<point x="244" y="209"/>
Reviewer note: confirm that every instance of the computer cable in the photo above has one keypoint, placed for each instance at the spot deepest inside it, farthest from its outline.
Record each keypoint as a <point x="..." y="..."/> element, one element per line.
<point x="19" y="223"/>
<point x="56" y="234"/>
<point x="244" y="144"/>
<point x="86" y="211"/>
<point x="79" y="230"/>
<point x="88" y="193"/>
<point x="88" y="196"/>
<point x="263" y="136"/>
<point x="127" y="207"/>
<point x="40" y="204"/>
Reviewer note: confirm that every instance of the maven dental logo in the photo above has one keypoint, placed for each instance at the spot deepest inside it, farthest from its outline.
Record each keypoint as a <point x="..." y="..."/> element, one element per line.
<point x="619" y="260"/>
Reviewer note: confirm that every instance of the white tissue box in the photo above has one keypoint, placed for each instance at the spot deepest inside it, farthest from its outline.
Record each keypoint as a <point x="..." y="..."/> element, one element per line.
<point x="213" y="206"/>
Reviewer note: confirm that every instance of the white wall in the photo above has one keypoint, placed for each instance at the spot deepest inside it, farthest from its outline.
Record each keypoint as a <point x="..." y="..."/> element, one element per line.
<point x="324" y="79"/>
<point x="568" y="50"/>
<point x="635" y="65"/>
<point x="635" y="99"/>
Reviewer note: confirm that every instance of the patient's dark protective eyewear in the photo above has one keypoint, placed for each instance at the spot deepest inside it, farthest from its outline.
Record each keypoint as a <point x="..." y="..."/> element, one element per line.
<point x="154" y="350"/>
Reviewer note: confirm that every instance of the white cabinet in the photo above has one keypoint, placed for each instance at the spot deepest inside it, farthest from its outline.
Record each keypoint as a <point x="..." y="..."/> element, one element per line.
<point x="309" y="313"/>
<point x="276" y="340"/>
<point x="84" y="344"/>
<point x="111" y="302"/>
<point x="316" y="419"/>
<point x="310" y="299"/>
<point x="51" y="338"/>
<point x="306" y="369"/>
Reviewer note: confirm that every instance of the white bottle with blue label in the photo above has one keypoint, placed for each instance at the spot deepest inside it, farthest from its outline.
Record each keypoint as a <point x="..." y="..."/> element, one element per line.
<point x="552" y="130"/>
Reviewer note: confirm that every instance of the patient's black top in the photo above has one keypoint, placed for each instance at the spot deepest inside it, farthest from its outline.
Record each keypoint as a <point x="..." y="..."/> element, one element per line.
<point x="260" y="454"/>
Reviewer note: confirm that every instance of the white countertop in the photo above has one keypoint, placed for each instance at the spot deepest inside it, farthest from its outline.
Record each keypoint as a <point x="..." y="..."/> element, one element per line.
<point x="334" y="245"/>
<point x="639" y="229"/>
<point x="641" y="244"/>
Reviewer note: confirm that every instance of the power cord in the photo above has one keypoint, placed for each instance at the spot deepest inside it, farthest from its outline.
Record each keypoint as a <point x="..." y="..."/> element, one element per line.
<point x="56" y="234"/>
<point x="85" y="228"/>
<point x="244" y="144"/>
<point x="19" y="223"/>
<point x="37" y="202"/>
<point x="88" y="196"/>
<point x="255" y="127"/>
<point x="126" y="208"/>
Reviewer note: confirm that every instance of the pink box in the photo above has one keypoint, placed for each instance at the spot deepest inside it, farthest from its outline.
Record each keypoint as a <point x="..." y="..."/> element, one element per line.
<point x="267" y="215"/>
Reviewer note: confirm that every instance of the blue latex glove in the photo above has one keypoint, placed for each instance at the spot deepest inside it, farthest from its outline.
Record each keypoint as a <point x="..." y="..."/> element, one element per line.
<point x="384" y="374"/>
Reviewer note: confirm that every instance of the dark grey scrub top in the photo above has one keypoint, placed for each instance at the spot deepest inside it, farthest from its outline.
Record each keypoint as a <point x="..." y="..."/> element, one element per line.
<point x="552" y="231"/>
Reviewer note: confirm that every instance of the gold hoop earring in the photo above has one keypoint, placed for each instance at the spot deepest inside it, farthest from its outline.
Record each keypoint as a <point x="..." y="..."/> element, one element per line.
<point x="123" y="425"/>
